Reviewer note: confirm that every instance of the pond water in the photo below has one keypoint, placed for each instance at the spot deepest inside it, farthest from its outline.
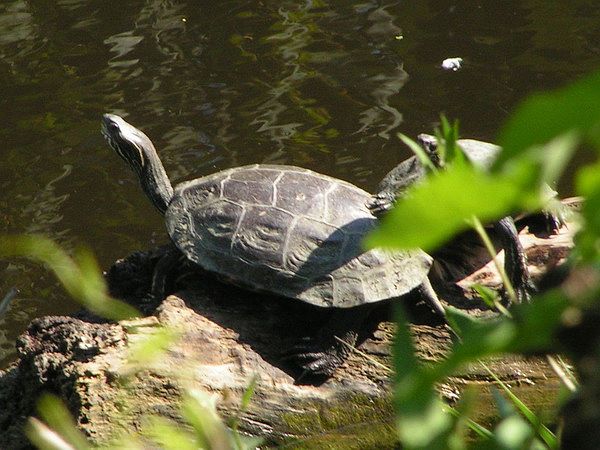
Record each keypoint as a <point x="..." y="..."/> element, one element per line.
<point x="320" y="84"/>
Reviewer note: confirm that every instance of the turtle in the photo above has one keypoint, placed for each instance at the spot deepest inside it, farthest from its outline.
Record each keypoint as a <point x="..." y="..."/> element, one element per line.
<point x="482" y="154"/>
<point x="283" y="230"/>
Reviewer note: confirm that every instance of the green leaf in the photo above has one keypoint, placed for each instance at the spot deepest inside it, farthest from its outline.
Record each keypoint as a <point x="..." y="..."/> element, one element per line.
<point x="537" y="322"/>
<point x="200" y="411"/>
<point x="442" y="206"/>
<point x="149" y="348"/>
<point x="488" y="295"/>
<point x="419" y="152"/>
<point x="58" y="418"/>
<point x="543" y="432"/>
<point x="168" y="435"/>
<point x="555" y="156"/>
<point x="129" y="441"/>
<point x="543" y="117"/>
<point x="513" y="433"/>
<point x="425" y="427"/>
<point x="505" y="409"/>
<point x="43" y="437"/>
<point x="241" y="442"/>
<point x="462" y="423"/>
<point x="422" y="422"/>
<point x="479" y="339"/>
<point x="80" y="277"/>
<point x="532" y="329"/>
<point x="478" y="429"/>
<point x="542" y="165"/>
<point x="588" y="239"/>
<point x="447" y="137"/>
<point x="248" y="393"/>
<point x="405" y="361"/>
<point x="249" y="443"/>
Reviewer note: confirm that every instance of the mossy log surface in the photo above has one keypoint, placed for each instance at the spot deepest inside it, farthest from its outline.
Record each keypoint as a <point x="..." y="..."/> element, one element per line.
<point x="228" y="337"/>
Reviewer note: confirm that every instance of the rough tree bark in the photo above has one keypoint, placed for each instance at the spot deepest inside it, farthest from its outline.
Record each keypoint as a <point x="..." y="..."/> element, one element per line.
<point x="228" y="336"/>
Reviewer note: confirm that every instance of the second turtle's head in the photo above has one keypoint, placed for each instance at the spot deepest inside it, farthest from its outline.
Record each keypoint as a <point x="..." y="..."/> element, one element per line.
<point x="130" y="143"/>
<point x="429" y="143"/>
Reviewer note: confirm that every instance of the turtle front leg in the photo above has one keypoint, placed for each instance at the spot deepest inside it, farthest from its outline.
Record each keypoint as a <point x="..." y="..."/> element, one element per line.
<point x="515" y="260"/>
<point x="163" y="271"/>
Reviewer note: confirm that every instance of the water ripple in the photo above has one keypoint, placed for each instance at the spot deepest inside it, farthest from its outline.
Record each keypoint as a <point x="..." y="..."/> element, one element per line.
<point x="17" y="28"/>
<point x="122" y="44"/>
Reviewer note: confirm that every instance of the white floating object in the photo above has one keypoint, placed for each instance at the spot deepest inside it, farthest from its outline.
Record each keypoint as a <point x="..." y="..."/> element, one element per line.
<point x="452" y="64"/>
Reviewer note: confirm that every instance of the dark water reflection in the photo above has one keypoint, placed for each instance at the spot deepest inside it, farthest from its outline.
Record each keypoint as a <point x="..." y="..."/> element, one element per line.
<point x="324" y="85"/>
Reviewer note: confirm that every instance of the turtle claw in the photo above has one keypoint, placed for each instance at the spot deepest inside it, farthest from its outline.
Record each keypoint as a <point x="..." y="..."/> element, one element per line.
<point x="318" y="362"/>
<point x="380" y="203"/>
<point x="317" y="359"/>
<point x="151" y="300"/>
<point x="151" y="297"/>
<point x="302" y="347"/>
<point x="525" y="292"/>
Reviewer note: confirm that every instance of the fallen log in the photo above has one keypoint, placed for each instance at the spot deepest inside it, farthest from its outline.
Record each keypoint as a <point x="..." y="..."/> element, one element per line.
<point x="227" y="338"/>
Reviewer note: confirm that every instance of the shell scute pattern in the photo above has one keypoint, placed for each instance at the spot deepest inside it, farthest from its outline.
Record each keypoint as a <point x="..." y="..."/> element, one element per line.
<point x="252" y="187"/>
<point x="320" y="292"/>
<point x="198" y="193"/>
<point x="291" y="232"/>
<point x="378" y="285"/>
<point x="302" y="194"/>
<point x="261" y="236"/>
<point x="261" y="277"/>
<point x="200" y="230"/>
<point x="345" y="204"/>
<point x="358" y="261"/>
<point x="347" y="290"/>
<point x="314" y="248"/>
<point x="408" y="267"/>
<point x="216" y="224"/>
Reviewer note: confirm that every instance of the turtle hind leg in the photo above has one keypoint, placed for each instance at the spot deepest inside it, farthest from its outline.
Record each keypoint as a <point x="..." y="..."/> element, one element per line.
<point x="515" y="260"/>
<point x="429" y="296"/>
<point x="322" y="354"/>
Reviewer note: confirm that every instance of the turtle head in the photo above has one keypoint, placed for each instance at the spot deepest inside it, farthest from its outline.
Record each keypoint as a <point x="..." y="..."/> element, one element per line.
<point x="429" y="143"/>
<point x="139" y="153"/>
<point x="130" y="143"/>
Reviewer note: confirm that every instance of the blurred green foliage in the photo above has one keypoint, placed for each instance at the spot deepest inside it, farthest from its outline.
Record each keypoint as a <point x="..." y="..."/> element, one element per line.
<point x="79" y="275"/>
<point x="538" y="141"/>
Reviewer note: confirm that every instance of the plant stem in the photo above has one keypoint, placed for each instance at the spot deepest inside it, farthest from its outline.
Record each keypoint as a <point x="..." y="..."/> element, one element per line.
<point x="476" y="223"/>
<point x="562" y="375"/>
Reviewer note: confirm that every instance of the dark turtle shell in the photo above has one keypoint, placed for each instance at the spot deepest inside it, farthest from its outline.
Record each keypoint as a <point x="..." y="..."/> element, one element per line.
<point x="291" y="232"/>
